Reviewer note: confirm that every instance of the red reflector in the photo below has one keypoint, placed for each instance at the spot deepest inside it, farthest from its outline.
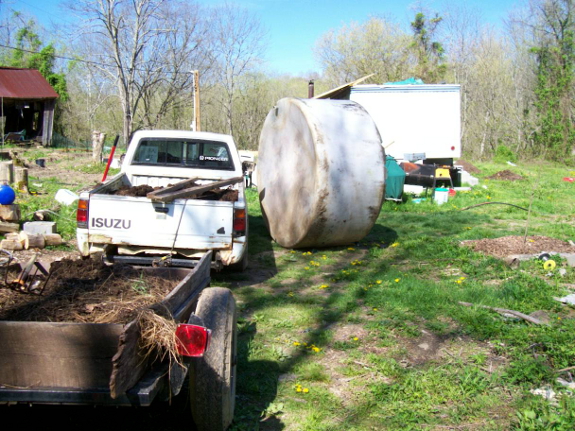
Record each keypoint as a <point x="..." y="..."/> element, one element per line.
<point x="239" y="224"/>
<point x="192" y="339"/>
<point x="82" y="216"/>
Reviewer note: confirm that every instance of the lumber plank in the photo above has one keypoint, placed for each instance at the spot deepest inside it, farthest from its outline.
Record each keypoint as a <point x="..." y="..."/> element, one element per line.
<point x="129" y="363"/>
<point x="193" y="191"/>
<point x="178" y="186"/>
<point x="37" y="355"/>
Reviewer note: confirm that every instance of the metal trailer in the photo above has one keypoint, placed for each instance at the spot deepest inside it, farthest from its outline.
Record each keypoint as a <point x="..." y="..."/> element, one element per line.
<point x="101" y="364"/>
<point x="416" y="122"/>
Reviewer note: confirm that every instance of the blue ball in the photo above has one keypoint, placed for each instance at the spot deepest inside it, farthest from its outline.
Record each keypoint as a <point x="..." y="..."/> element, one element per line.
<point x="7" y="195"/>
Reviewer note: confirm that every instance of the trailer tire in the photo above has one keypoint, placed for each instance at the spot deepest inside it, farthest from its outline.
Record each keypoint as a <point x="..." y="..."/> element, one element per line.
<point x="213" y="377"/>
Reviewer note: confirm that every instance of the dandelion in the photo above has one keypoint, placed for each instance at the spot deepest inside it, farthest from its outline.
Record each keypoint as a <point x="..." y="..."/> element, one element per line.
<point x="355" y="339"/>
<point x="378" y="281"/>
<point x="305" y="390"/>
<point x="298" y="388"/>
<point x="397" y="280"/>
<point x="292" y="251"/>
<point x="462" y="278"/>
<point x="395" y="244"/>
<point x="296" y="343"/>
<point x="316" y="349"/>
<point x="375" y="309"/>
<point x="324" y="257"/>
<point x="458" y="281"/>
<point x="488" y="197"/>
<point x="306" y="268"/>
<point x="351" y="248"/>
<point x="324" y="286"/>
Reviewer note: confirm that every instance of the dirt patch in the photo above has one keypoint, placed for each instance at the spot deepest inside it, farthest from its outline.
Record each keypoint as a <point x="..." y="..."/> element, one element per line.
<point x="86" y="291"/>
<point x="505" y="175"/>
<point x="468" y="167"/>
<point x="508" y="245"/>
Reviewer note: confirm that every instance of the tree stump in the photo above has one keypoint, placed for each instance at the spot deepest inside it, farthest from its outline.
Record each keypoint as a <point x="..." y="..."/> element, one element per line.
<point x="21" y="178"/>
<point x="7" y="172"/>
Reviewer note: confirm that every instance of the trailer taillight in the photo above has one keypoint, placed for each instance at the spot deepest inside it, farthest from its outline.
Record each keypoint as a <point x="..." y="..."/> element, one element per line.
<point x="192" y="340"/>
<point x="239" y="222"/>
<point x="82" y="214"/>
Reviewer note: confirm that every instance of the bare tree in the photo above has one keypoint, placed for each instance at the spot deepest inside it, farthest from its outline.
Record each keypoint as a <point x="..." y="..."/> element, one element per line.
<point x="376" y="46"/>
<point x="238" y="44"/>
<point x="146" y="47"/>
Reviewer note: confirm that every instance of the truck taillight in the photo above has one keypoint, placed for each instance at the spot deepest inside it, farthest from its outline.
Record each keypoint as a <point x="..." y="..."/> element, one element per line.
<point x="240" y="222"/>
<point x="82" y="214"/>
<point x="192" y="340"/>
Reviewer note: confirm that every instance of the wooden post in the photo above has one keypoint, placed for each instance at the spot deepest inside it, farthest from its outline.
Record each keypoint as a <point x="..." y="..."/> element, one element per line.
<point x="21" y="178"/>
<point x="7" y="172"/>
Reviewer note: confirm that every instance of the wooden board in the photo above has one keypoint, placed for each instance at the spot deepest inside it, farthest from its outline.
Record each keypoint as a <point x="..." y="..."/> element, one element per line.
<point x="129" y="364"/>
<point x="57" y="355"/>
<point x="178" y="186"/>
<point x="168" y="196"/>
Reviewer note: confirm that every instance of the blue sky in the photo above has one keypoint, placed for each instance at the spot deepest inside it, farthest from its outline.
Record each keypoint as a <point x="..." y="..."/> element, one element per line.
<point x="294" y="26"/>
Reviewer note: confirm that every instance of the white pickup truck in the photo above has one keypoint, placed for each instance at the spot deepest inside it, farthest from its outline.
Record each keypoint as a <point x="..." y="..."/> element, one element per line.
<point x="180" y="215"/>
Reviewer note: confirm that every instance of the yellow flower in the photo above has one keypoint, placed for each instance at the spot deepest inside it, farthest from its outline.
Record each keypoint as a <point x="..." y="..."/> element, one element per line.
<point x="397" y="280"/>
<point x="462" y="278"/>
<point x="351" y="248"/>
<point x="306" y="268"/>
<point x="296" y="343"/>
<point x="395" y="244"/>
<point x="488" y="197"/>
<point x="290" y="294"/>
<point x="378" y="281"/>
<point x="292" y="251"/>
<point x="315" y="349"/>
<point x="324" y="286"/>
<point x="355" y="339"/>
<point x="305" y="390"/>
<point x="374" y="308"/>
<point x="458" y="281"/>
<point x="298" y="388"/>
<point x="324" y="257"/>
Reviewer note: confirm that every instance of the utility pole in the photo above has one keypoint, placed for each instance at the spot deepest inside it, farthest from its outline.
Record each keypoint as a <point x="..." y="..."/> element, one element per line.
<point x="196" y="120"/>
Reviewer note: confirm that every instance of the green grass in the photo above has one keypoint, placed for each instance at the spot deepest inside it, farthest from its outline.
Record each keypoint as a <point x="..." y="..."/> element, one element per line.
<point x="347" y="323"/>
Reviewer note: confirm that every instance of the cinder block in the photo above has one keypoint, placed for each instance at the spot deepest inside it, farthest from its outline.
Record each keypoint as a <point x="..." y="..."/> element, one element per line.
<point x="40" y="227"/>
<point x="570" y="258"/>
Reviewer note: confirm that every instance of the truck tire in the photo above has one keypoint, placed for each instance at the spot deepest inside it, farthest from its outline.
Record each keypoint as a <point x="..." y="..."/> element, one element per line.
<point x="242" y="265"/>
<point x="213" y="377"/>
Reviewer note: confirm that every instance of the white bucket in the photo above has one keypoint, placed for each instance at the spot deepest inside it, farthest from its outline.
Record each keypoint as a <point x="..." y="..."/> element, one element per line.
<point x="66" y="197"/>
<point x="440" y="196"/>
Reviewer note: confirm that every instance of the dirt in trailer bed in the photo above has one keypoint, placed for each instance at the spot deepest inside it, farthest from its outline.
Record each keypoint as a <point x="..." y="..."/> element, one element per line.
<point x="228" y="195"/>
<point x="86" y="291"/>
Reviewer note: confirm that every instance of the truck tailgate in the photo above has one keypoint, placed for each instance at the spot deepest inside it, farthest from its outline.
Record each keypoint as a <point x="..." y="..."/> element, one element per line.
<point x="136" y="221"/>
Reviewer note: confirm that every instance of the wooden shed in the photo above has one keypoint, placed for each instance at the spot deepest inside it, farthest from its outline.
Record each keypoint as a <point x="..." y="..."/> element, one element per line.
<point x="27" y="105"/>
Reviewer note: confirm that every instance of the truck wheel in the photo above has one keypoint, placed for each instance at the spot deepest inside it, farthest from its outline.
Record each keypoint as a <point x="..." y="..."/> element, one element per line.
<point x="242" y="264"/>
<point x="213" y="377"/>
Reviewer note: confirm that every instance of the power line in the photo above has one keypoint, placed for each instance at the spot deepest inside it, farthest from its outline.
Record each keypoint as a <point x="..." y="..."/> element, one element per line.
<point x="94" y="63"/>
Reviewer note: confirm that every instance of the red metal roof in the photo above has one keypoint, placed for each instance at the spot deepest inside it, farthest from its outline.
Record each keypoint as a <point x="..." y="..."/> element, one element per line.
<point x="24" y="84"/>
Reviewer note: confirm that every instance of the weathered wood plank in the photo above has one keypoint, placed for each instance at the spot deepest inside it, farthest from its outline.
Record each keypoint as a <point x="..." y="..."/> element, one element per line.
<point x="129" y="362"/>
<point x="178" y="186"/>
<point x="57" y="355"/>
<point x="194" y="191"/>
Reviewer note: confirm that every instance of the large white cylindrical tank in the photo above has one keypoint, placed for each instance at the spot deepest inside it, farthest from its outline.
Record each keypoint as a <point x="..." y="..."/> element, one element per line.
<point x="321" y="178"/>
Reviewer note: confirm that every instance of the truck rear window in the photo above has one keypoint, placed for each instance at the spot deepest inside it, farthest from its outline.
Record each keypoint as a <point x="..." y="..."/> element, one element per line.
<point x="184" y="153"/>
